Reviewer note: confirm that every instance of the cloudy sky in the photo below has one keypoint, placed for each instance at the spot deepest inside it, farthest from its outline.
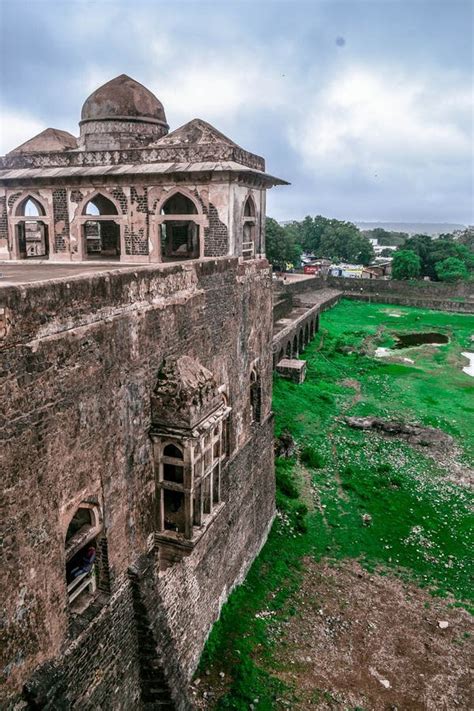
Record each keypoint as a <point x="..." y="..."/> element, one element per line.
<point x="365" y="106"/>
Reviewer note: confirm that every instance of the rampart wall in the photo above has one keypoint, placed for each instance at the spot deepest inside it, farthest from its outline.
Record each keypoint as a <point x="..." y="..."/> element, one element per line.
<point x="78" y="363"/>
<point x="430" y="295"/>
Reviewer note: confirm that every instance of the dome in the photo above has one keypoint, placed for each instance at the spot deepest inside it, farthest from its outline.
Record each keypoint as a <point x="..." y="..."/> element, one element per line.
<point x="123" y="99"/>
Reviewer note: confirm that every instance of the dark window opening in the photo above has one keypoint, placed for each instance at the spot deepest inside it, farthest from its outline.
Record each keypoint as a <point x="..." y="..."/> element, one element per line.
<point x="206" y="496"/>
<point x="172" y="472"/>
<point x="81" y="577"/>
<point x="102" y="239"/>
<point x="174" y="516"/>
<point x="215" y="486"/>
<point x="179" y="240"/>
<point x="172" y="451"/>
<point x="255" y="397"/>
<point x="82" y="517"/>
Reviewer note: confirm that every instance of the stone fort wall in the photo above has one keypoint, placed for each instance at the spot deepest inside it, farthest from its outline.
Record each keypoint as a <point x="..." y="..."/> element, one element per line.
<point x="457" y="297"/>
<point x="79" y="361"/>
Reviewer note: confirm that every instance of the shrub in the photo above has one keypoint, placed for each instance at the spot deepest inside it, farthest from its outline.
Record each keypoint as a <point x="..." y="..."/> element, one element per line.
<point x="311" y="457"/>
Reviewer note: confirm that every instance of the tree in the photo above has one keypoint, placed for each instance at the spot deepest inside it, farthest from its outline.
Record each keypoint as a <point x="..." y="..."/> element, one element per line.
<point x="344" y="241"/>
<point x="466" y="237"/>
<point x="281" y="245"/>
<point x="309" y="232"/>
<point x="451" y="269"/>
<point x="431" y="251"/>
<point x="406" y="265"/>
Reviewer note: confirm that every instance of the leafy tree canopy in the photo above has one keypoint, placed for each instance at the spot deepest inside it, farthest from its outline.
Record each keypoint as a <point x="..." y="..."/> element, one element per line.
<point x="451" y="269"/>
<point x="406" y="265"/>
<point x="282" y="246"/>
<point x="431" y="251"/>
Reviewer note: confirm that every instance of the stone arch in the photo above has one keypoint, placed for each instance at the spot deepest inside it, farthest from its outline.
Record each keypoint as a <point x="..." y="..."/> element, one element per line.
<point x="295" y="347"/>
<point x="99" y="193"/>
<point x="30" y="233"/>
<point x="250" y="209"/>
<point x="20" y="205"/>
<point x="103" y="205"/>
<point x="180" y="227"/>
<point x="288" y="349"/>
<point x="250" y="233"/>
<point x="301" y="340"/>
<point x="185" y="193"/>
<point x="101" y="230"/>
<point x="306" y="333"/>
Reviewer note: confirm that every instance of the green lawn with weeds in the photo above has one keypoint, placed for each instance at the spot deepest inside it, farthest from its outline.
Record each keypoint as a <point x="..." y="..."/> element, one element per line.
<point x="352" y="494"/>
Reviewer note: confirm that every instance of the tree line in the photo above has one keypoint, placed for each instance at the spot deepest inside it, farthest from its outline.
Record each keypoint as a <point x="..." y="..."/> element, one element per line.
<point x="450" y="257"/>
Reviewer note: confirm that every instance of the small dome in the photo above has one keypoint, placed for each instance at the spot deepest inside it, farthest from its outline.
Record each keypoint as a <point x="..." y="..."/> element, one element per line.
<point x="123" y="99"/>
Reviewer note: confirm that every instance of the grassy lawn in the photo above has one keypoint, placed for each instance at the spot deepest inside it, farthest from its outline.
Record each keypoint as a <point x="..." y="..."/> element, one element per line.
<point x="351" y="495"/>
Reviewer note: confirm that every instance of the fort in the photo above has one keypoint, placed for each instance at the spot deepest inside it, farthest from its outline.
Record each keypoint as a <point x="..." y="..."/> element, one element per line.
<point x="137" y="442"/>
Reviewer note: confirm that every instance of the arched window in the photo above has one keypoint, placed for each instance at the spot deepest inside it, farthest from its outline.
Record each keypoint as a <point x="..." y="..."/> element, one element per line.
<point x="31" y="233"/>
<point x="249" y="207"/>
<point x="179" y="204"/>
<point x="100" y="205"/>
<point x="179" y="233"/>
<point x="30" y="207"/>
<point x="249" y="229"/>
<point x="173" y="464"/>
<point x="83" y="541"/>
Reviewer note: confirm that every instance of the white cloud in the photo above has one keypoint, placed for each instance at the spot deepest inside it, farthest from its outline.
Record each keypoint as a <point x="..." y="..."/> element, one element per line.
<point x="373" y="120"/>
<point x="16" y="128"/>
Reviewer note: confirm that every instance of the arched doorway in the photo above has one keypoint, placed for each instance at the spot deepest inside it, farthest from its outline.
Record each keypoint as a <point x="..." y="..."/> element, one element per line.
<point x="31" y="235"/>
<point x="179" y="231"/>
<point x="101" y="234"/>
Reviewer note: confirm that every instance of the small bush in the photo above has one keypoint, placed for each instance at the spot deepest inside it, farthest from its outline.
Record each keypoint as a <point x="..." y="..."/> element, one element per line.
<point x="286" y="483"/>
<point x="311" y="457"/>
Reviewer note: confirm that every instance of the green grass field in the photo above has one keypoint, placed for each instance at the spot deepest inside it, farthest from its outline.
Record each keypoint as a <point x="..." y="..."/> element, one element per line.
<point x="350" y="494"/>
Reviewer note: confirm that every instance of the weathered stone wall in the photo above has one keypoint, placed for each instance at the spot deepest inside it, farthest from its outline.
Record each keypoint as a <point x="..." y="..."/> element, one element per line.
<point x="424" y="294"/>
<point x="79" y="361"/>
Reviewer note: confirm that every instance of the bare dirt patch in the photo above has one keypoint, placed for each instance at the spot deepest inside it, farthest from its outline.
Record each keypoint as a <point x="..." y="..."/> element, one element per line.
<point x="368" y="641"/>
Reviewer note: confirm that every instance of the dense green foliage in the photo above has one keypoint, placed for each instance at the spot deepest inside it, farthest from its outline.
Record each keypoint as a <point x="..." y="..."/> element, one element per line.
<point x="342" y="241"/>
<point x="321" y="236"/>
<point x="419" y="521"/>
<point x="282" y="247"/>
<point x="451" y="269"/>
<point x="432" y="251"/>
<point x="406" y="265"/>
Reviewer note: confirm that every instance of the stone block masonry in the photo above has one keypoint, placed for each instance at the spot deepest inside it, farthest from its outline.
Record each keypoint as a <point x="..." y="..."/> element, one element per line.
<point x="79" y="362"/>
